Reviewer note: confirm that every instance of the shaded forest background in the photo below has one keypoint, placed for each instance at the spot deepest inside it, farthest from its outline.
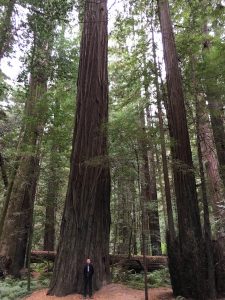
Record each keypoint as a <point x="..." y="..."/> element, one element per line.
<point x="165" y="131"/>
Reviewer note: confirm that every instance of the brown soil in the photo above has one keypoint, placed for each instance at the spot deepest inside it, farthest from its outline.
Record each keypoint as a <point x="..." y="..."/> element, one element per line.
<point x="111" y="292"/>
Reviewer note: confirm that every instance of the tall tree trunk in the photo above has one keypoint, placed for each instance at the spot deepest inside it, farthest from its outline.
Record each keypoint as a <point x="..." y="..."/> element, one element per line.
<point x="134" y="237"/>
<point x="150" y="182"/>
<point x="216" y="111"/>
<point x="16" y="226"/>
<point x="207" y="225"/>
<point x="3" y="170"/>
<point x="86" y="218"/>
<point x="144" y="218"/>
<point x="145" y="202"/>
<point x="201" y="120"/>
<point x="5" y="33"/>
<point x="149" y="195"/>
<point x="191" y="260"/>
<point x="123" y="217"/>
<point x="154" y="225"/>
<point x="215" y="106"/>
<point x="210" y="161"/>
<point x="161" y="188"/>
<point x="6" y="28"/>
<point x="171" y="227"/>
<point x="51" y="200"/>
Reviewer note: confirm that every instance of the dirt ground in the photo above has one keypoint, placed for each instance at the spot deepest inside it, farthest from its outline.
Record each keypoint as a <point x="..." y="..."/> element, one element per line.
<point x="111" y="292"/>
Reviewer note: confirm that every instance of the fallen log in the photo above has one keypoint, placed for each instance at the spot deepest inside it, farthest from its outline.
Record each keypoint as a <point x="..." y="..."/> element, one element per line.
<point x="133" y="263"/>
<point x="136" y="262"/>
<point x="39" y="256"/>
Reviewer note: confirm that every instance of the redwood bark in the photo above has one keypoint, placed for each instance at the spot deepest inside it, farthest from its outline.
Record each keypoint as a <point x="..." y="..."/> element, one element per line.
<point x="207" y="225"/>
<point x="217" y="116"/>
<point x="171" y="227"/>
<point x="86" y="218"/>
<point x="191" y="265"/>
<point x="21" y="196"/>
<point x="210" y="161"/>
<point x="216" y="112"/>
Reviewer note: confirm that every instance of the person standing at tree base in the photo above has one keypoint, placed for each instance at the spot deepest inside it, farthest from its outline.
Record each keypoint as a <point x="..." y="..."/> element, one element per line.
<point x="88" y="273"/>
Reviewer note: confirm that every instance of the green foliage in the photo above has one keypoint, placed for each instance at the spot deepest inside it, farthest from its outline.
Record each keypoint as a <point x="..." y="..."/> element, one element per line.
<point x="155" y="279"/>
<point x="11" y="289"/>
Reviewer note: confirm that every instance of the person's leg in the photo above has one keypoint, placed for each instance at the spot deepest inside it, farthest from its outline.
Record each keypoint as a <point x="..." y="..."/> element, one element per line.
<point x="85" y="286"/>
<point x="90" y="286"/>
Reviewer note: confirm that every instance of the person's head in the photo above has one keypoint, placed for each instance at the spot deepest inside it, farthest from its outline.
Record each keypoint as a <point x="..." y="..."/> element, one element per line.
<point x="88" y="261"/>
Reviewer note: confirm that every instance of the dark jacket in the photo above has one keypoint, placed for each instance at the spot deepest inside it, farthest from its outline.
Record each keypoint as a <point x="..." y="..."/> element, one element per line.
<point x="91" y="271"/>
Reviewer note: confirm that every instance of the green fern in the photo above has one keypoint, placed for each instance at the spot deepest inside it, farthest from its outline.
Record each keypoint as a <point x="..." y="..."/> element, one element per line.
<point x="11" y="289"/>
<point x="157" y="278"/>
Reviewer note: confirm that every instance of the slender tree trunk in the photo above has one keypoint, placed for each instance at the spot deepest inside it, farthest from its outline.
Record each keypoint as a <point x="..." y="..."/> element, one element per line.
<point x="51" y="200"/>
<point x="21" y="196"/>
<point x="145" y="201"/>
<point x="191" y="260"/>
<point x="200" y="120"/>
<point x="216" y="111"/>
<point x="210" y="161"/>
<point x="3" y="170"/>
<point x="144" y="227"/>
<point x="154" y="225"/>
<point x="85" y="224"/>
<point x="149" y="193"/>
<point x="207" y="226"/>
<point x="150" y="185"/>
<point x="16" y="226"/>
<point x="161" y="187"/>
<point x="144" y="215"/>
<point x="163" y="146"/>
<point x="130" y="218"/>
<point x="5" y="33"/>
<point x="217" y="116"/>
<point x="123" y="210"/>
<point x="134" y="239"/>
<point x="6" y="28"/>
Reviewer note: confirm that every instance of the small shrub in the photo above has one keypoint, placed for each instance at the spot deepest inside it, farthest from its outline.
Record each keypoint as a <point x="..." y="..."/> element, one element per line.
<point x="157" y="278"/>
<point x="11" y="289"/>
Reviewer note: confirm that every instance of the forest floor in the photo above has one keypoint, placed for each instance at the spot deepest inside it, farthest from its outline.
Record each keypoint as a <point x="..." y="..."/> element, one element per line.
<point x="112" y="292"/>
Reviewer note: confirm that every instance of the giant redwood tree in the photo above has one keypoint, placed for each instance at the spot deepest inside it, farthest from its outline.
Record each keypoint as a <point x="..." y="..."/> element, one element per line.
<point x="189" y="277"/>
<point x="86" y="217"/>
<point x="16" y="220"/>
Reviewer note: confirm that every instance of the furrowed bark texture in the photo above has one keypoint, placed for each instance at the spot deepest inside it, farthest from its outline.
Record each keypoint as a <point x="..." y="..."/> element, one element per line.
<point x="211" y="165"/>
<point x="216" y="111"/>
<point x="86" y="217"/>
<point x="21" y="197"/>
<point x="191" y="266"/>
<point x="207" y="225"/>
